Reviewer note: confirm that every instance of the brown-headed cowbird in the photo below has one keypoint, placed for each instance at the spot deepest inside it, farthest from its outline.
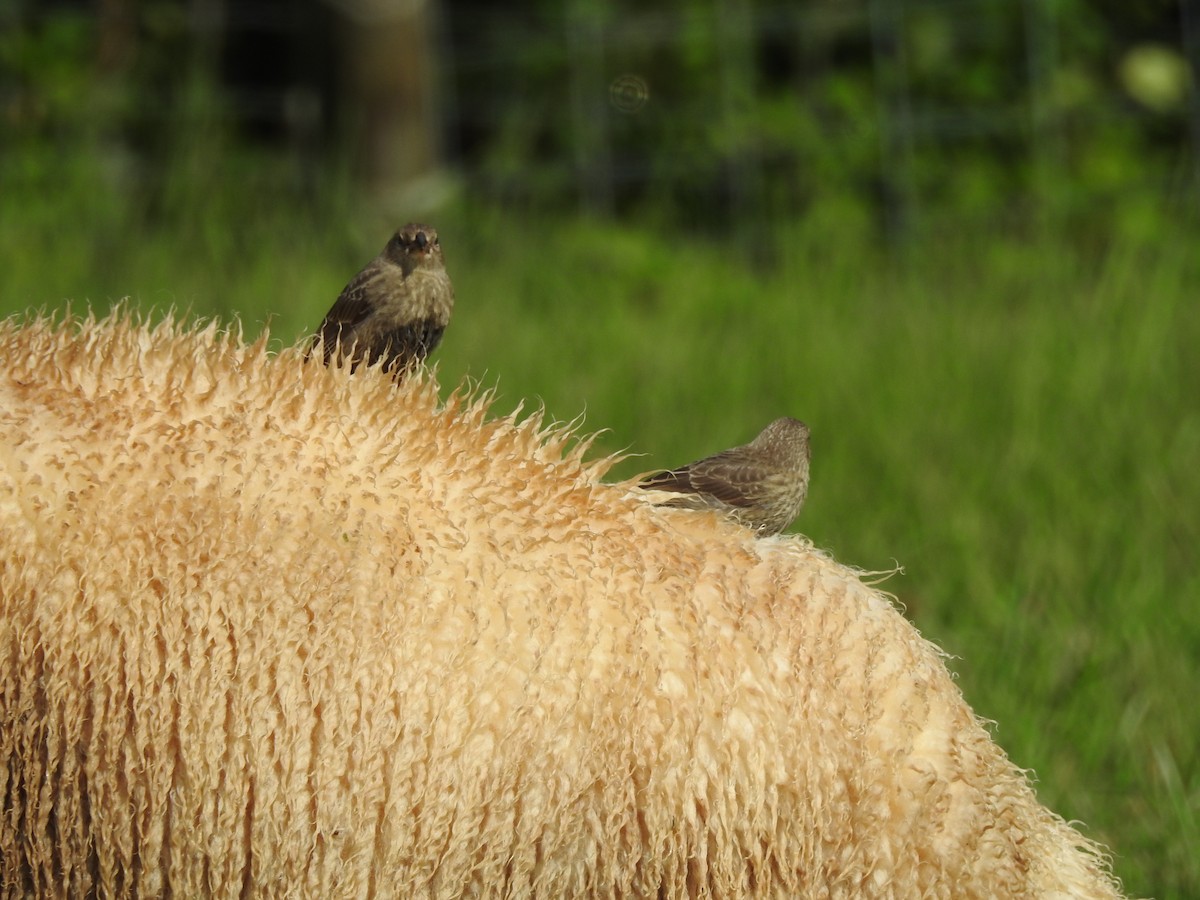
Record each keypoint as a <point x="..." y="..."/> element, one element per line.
<point x="396" y="308"/>
<point x="762" y="484"/>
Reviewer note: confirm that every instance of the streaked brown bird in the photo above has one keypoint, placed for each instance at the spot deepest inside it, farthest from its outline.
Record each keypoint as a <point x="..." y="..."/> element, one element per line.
<point x="396" y="308"/>
<point x="762" y="484"/>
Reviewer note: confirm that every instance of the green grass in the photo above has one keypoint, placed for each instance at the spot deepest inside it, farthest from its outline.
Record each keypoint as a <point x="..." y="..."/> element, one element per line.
<point x="1014" y="421"/>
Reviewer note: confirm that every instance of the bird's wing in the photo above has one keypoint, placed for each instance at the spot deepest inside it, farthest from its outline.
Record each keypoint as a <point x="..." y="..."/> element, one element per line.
<point x="730" y="478"/>
<point x="350" y="309"/>
<point x="678" y="480"/>
<point x="726" y="477"/>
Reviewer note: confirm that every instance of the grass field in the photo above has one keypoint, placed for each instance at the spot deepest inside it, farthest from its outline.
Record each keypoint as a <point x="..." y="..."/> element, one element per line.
<point x="1016" y="422"/>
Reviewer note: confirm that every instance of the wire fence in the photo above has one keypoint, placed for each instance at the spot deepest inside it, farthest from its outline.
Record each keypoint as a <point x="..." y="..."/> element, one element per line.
<point x="611" y="75"/>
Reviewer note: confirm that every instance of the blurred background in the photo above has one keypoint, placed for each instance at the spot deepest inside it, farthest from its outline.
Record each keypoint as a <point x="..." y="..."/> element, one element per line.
<point x="957" y="237"/>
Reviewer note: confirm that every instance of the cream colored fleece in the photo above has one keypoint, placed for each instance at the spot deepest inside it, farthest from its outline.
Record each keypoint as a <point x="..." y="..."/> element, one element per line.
<point x="274" y="629"/>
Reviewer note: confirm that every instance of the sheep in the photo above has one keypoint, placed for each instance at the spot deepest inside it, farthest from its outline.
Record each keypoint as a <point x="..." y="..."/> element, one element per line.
<point x="269" y="628"/>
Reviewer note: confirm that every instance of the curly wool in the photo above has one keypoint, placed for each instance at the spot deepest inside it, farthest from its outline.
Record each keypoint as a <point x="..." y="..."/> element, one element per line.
<point x="268" y="628"/>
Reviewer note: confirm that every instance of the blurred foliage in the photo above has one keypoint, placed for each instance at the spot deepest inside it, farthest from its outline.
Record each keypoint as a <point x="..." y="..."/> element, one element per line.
<point x="977" y="107"/>
<point x="701" y="115"/>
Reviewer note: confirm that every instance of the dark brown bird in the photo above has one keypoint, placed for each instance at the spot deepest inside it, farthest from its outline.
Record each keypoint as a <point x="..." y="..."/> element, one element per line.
<point x="396" y="308"/>
<point x="762" y="484"/>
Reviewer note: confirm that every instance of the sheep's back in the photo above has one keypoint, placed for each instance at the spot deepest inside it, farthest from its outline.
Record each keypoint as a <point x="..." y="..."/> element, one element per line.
<point x="270" y="628"/>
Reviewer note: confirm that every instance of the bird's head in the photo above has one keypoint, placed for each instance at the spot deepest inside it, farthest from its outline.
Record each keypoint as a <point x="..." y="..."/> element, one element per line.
<point x="785" y="436"/>
<point x="413" y="246"/>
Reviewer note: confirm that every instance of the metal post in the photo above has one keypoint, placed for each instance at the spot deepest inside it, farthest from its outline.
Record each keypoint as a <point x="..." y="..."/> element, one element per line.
<point x="895" y="118"/>
<point x="1041" y="55"/>
<point x="593" y="150"/>
<point x="1189" y="22"/>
